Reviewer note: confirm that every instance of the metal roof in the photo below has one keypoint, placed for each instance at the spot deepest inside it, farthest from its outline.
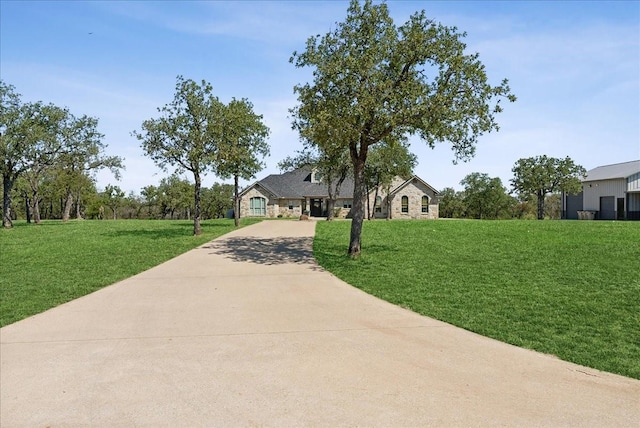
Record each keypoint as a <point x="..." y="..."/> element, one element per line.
<point x="610" y="172"/>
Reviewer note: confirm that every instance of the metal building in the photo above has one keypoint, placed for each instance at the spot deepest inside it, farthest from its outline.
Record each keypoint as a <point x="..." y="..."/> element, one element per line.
<point x="609" y="192"/>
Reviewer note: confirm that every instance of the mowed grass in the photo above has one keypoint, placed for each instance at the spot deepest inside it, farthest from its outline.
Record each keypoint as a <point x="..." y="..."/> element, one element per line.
<point x="42" y="266"/>
<point x="567" y="288"/>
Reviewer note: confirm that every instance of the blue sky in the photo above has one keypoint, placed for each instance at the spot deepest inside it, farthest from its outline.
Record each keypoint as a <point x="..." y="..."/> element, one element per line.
<point x="574" y="66"/>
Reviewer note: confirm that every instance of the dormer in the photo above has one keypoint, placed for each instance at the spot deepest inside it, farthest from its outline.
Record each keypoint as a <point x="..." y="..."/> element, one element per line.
<point x="315" y="176"/>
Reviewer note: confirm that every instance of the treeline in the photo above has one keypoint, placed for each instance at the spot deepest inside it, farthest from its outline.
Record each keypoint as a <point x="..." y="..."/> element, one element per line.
<point x="485" y="197"/>
<point x="45" y="149"/>
<point x="171" y="199"/>
<point x="49" y="159"/>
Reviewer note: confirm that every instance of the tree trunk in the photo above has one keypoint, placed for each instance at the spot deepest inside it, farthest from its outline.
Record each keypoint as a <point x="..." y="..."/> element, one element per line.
<point x="197" y="229"/>
<point x="35" y="205"/>
<point x="540" y="205"/>
<point x="388" y="190"/>
<point x="236" y="201"/>
<point x="367" y="190"/>
<point x="375" y="202"/>
<point x="27" y="206"/>
<point x="68" y="203"/>
<point x="357" y="210"/>
<point x="78" y="208"/>
<point x="7" y="186"/>
<point x="331" y="200"/>
<point x="333" y="194"/>
<point x="331" y="206"/>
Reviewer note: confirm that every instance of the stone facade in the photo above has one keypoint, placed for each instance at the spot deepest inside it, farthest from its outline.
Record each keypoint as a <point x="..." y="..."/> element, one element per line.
<point x="273" y="207"/>
<point x="414" y="190"/>
<point x="289" y="208"/>
<point x="271" y="204"/>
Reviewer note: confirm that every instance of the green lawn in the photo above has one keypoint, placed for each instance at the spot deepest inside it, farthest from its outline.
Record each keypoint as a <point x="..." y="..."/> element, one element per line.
<point x="42" y="266"/>
<point x="567" y="288"/>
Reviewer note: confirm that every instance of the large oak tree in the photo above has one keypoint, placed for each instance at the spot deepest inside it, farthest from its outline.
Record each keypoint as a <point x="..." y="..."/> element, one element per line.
<point x="30" y="144"/>
<point x="186" y="135"/>
<point x="83" y="155"/>
<point x="485" y="197"/>
<point x="374" y="81"/>
<point x="541" y="175"/>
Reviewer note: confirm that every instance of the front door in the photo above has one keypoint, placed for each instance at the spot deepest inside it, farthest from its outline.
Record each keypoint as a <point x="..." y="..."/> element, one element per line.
<point x="316" y="208"/>
<point x="620" y="209"/>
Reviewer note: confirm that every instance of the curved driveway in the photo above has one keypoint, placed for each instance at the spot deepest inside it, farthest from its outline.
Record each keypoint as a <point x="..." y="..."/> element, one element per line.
<point x="248" y="331"/>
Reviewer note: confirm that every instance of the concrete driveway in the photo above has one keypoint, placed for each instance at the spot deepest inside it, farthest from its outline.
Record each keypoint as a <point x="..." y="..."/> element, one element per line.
<point x="248" y="331"/>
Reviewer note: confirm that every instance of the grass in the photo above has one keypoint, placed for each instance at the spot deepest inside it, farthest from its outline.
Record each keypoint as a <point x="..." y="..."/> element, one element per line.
<point x="45" y="265"/>
<point x="567" y="288"/>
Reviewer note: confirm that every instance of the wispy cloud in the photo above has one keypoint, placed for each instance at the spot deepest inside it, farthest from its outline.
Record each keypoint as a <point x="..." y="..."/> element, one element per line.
<point x="266" y="22"/>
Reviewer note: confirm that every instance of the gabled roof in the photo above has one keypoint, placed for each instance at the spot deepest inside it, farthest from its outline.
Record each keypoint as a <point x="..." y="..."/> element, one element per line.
<point x="407" y="182"/>
<point x="610" y="172"/>
<point x="297" y="185"/>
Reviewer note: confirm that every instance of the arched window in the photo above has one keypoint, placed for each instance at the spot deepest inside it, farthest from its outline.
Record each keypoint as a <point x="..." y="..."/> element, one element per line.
<point x="258" y="206"/>
<point x="405" y="204"/>
<point x="378" y="204"/>
<point x="425" y="204"/>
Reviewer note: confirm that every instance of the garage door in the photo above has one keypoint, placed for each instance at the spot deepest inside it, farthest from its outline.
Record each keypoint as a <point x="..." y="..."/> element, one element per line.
<point x="607" y="208"/>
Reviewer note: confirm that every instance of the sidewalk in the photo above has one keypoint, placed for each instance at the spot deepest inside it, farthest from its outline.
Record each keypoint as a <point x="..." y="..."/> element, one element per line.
<point x="248" y="331"/>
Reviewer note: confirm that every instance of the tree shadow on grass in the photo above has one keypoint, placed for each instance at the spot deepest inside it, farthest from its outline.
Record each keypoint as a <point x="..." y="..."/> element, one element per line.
<point x="266" y="251"/>
<point x="163" y="233"/>
<point x="169" y="230"/>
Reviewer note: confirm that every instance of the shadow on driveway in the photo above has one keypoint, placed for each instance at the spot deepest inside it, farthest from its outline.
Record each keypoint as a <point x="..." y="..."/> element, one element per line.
<point x="266" y="251"/>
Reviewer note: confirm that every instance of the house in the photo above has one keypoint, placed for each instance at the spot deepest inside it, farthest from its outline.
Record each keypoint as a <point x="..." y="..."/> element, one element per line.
<point x="609" y="192"/>
<point x="302" y="191"/>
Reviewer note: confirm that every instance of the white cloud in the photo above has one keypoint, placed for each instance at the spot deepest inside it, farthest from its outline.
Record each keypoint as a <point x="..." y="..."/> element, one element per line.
<point x="266" y="22"/>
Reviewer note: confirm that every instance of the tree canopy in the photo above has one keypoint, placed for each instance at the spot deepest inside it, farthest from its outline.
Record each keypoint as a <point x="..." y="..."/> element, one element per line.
<point x="84" y="154"/>
<point x="384" y="163"/>
<point x="485" y="197"/>
<point x="242" y="146"/>
<point x="186" y="135"/>
<point x="375" y="82"/>
<point x="198" y="133"/>
<point x="542" y="175"/>
<point x="45" y="144"/>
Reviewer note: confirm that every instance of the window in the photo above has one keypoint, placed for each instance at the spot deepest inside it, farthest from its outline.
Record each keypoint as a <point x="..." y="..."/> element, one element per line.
<point x="257" y="206"/>
<point x="290" y="205"/>
<point x="425" y="204"/>
<point x="378" y="204"/>
<point x="405" y="204"/>
<point x="346" y="203"/>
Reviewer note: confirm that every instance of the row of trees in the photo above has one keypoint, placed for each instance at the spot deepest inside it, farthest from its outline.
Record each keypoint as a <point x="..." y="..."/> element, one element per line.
<point x="171" y="199"/>
<point x="485" y="197"/>
<point x="46" y="145"/>
<point x="198" y="133"/>
<point x="49" y="156"/>
<point x="374" y="85"/>
<point x="537" y="183"/>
